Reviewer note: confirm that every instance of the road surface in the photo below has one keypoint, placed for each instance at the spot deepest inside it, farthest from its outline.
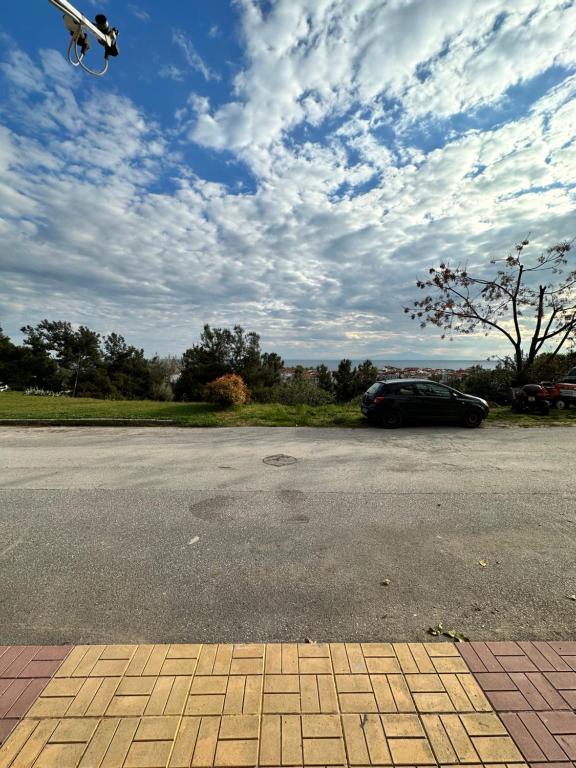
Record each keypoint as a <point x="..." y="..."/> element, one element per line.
<point x="197" y="535"/>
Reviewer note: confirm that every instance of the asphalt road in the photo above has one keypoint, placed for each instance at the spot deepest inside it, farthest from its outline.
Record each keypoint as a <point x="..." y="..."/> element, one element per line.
<point x="186" y="535"/>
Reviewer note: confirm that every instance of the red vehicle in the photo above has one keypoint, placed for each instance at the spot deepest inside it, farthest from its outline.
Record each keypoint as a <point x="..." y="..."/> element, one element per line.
<point x="560" y="394"/>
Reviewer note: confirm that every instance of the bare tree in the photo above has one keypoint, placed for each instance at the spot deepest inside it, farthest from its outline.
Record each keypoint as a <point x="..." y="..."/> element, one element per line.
<point x="516" y="302"/>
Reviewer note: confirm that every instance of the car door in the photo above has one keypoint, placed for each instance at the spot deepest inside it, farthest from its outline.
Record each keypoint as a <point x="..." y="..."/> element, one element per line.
<point x="435" y="401"/>
<point x="406" y="399"/>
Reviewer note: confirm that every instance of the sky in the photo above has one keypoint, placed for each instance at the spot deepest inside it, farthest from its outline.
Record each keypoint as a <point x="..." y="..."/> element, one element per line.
<point x="293" y="166"/>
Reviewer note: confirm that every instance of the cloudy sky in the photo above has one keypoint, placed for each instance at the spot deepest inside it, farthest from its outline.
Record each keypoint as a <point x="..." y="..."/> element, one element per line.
<point x="291" y="165"/>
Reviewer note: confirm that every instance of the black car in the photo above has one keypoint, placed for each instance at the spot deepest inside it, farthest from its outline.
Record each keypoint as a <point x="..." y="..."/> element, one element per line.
<point x="391" y="403"/>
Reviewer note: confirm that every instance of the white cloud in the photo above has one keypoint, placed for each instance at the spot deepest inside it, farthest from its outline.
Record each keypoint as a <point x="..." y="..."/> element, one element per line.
<point x="104" y="223"/>
<point x="309" y="60"/>
<point x="192" y="56"/>
<point x="170" y="72"/>
<point x="139" y="13"/>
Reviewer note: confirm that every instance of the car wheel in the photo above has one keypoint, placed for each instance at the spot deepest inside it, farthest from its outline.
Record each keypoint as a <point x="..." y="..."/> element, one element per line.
<point x="561" y="404"/>
<point x="472" y="419"/>
<point x="391" y="420"/>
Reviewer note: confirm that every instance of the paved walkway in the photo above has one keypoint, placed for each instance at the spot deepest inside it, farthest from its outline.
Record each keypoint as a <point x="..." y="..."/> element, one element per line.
<point x="177" y="706"/>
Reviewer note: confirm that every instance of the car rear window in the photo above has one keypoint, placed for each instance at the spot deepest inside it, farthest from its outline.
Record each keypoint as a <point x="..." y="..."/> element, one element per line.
<point x="401" y="389"/>
<point x="375" y="388"/>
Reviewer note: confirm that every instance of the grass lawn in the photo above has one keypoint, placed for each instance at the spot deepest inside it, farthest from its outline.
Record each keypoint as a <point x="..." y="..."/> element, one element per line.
<point x="15" y="405"/>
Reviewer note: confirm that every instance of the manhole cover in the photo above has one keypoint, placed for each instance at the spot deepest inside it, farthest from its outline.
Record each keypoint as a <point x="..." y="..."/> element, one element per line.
<point x="279" y="460"/>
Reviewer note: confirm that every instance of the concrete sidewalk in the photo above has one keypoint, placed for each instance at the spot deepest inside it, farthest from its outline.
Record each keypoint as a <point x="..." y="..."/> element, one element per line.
<point x="272" y="705"/>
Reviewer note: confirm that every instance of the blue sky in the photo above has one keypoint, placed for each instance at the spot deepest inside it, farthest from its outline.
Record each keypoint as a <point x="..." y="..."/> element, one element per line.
<point x="291" y="165"/>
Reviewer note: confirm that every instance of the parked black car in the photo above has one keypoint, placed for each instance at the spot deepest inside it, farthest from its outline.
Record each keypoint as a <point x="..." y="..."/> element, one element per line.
<point x="391" y="403"/>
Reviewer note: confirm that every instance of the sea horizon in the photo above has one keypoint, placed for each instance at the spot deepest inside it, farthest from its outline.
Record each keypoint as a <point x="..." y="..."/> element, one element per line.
<point x="437" y="363"/>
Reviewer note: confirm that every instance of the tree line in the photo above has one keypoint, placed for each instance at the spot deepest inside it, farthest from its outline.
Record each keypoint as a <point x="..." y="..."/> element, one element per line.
<point x="55" y="356"/>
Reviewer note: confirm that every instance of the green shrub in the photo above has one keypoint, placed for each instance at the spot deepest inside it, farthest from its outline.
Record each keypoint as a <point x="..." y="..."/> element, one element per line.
<point x="227" y="390"/>
<point x="300" y="393"/>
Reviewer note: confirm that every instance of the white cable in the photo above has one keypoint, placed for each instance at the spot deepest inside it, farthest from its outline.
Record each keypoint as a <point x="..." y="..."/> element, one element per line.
<point x="87" y="69"/>
<point x="78" y="62"/>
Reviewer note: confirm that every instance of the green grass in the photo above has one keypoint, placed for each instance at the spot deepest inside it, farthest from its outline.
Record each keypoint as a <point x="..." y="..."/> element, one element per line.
<point x="15" y="405"/>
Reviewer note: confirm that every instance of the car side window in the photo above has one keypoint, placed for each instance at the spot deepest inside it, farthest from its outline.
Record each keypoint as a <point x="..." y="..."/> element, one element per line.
<point x="429" y="389"/>
<point x="404" y="390"/>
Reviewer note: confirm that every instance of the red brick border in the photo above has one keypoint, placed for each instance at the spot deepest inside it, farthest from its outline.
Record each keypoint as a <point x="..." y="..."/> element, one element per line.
<point x="24" y="672"/>
<point x="532" y="686"/>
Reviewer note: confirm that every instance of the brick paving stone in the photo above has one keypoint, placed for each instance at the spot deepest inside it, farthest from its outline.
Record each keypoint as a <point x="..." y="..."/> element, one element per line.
<point x="24" y="673"/>
<point x="535" y="695"/>
<point x="288" y="706"/>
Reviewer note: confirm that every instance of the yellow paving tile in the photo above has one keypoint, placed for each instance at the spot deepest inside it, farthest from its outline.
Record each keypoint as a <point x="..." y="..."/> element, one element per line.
<point x="205" y="705"/>
<point x="271" y="741"/>
<point x="184" y="651"/>
<point x="157" y="729"/>
<point x="483" y="725"/>
<point x="118" y="652"/>
<point x="356" y="746"/>
<point x="375" y="739"/>
<point x="384" y="697"/>
<point x="496" y="749"/>
<point x="433" y="702"/>
<point x="404" y="655"/>
<point x="321" y="726"/>
<point x="401" y="694"/>
<point x="120" y="743"/>
<point x="324" y="752"/>
<point x="156" y="660"/>
<point x="474" y="693"/>
<point x="206" y="742"/>
<point x="139" y="660"/>
<point x="356" y="658"/>
<point x="72" y="660"/>
<point x="103" y="697"/>
<point x="353" y="684"/>
<point x="179" y="667"/>
<point x="313" y="650"/>
<point x="84" y="698"/>
<point x="127" y="706"/>
<point x="241" y="727"/>
<point x="100" y="743"/>
<point x="159" y="696"/>
<point x="450" y="664"/>
<point x="459" y="739"/>
<point x="439" y="739"/>
<point x="441" y="649"/>
<point x="421" y="658"/>
<point x="80" y="730"/>
<point x="60" y="756"/>
<point x="427" y="683"/>
<point x="315" y="666"/>
<point x="34" y="745"/>
<point x="358" y="702"/>
<point x="411" y="752"/>
<point x="277" y="706"/>
<point x="185" y="743"/>
<point x="383" y="665"/>
<point x="249" y="650"/>
<point x="281" y="703"/>
<point x="340" y="663"/>
<point x="148" y="754"/>
<point x="377" y="649"/>
<point x="291" y="740"/>
<point x="18" y="738"/>
<point x="402" y="726"/>
<point x="236" y="753"/>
